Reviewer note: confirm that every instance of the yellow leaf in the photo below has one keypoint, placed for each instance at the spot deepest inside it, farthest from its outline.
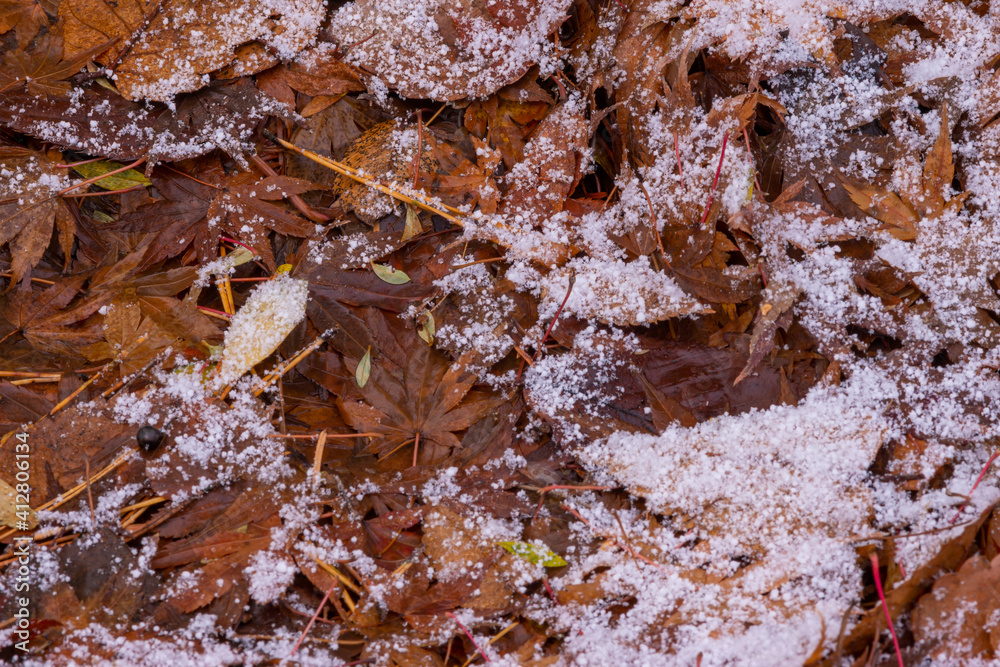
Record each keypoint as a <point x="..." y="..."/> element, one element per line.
<point x="534" y="554"/>
<point x="413" y="227"/>
<point x="364" y="369"/>
<point x="126" y="179"/>
<point x="427" y="329"/>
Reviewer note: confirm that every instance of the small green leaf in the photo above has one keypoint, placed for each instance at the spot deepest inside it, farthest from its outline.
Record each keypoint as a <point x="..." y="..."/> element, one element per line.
<point x="126" y="179"/>
<point x="364" y="369"/>
<point x="426" y="330"/>
<point x="389" y="274"/>
<point x="536" y="555"/>
<point x="101" y="216"/>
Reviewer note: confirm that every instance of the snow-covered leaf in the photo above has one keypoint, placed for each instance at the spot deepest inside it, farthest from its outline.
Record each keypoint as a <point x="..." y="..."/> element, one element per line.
<point x="270" y="313"/>
<point x="537" y="555"/>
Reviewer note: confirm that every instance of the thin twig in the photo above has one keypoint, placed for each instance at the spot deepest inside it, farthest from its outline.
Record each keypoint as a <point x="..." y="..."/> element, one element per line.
<point x="312" y="620"/>
<point x="90" y="494"/>
<point x="555" y="318"/>
<point x="885" y="608"/>
<point x="295" y="200"/>
<point x="566" y="487"/>
<point x="437" y="113"/>
<point x="715" y="181"/>
<point x="329" y="436"/>
<point x="284" y="368"/>
<point x="986" y="467"/>
<point x="468" y="634"/>
<point x="495" y="637"/>
<point x="652" y="222"/>
<point x="218" y="314"/>
<point x="121" y="357"/>
<point x="479" y="261"/>
<point x="90" y="181"/>
<point x="318" y="459"/>
<point x="79" y="195"/>
<point x="420" y="147"/>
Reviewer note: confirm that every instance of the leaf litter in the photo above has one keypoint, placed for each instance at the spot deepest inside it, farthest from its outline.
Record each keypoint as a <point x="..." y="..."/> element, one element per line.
<point x="534" y="332"/>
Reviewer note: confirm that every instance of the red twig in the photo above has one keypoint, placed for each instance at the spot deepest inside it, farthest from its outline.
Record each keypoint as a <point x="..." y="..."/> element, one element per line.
<point x="468" y="634"/>
<point x="545" y="582"/>
<point x="70" y="165"/>
<point x="652" y="223"/>
<point x="552" y="324"/>
<point x="677" y="152"/>
<point x="239" y="243"/>
<point x="885" y="608"/>
<point x="312" y="620"/>
<point x="106" y="192"/>
<point x="541" y="344"/>
<point x="978" y="480"/>
<point x="715" y="181"/>
<point x="300" y="205"/>
<point x="213" y="310"/>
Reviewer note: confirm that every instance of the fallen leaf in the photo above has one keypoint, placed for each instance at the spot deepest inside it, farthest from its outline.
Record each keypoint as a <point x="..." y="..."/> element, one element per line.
<point x="126" y="179"/>
<point x="270" y="313"/>
<point x="446" y="51"/>
<point x="364" y="369"/>
<point x="390" y="275"/>
<point x="955" y="619"/>
<point x="534" y="554"/>
<point x="182" y="41"/>
<point x="432" y="400"/>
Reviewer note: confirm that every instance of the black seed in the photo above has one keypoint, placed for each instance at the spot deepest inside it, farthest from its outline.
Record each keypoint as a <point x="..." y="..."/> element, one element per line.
<point x="149" y="438"/>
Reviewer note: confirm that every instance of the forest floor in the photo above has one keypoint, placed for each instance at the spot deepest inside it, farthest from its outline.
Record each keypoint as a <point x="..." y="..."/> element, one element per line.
<point x="521" y="332"/>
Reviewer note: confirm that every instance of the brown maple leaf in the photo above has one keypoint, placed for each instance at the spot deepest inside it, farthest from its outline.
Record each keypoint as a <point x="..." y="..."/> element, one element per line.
<point x="456" y="59"/>
<point x="927" y="198"/>
<point x="200" y="210"/>
<point x="42" y="70"/>
<point x="30" y="209"/>
<point x="425" y="406"/>
<point x="183" y="40"/>
<point x="25" y="17"/>
<point x="217" y="555"/>
<point x="44" y="322"/>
